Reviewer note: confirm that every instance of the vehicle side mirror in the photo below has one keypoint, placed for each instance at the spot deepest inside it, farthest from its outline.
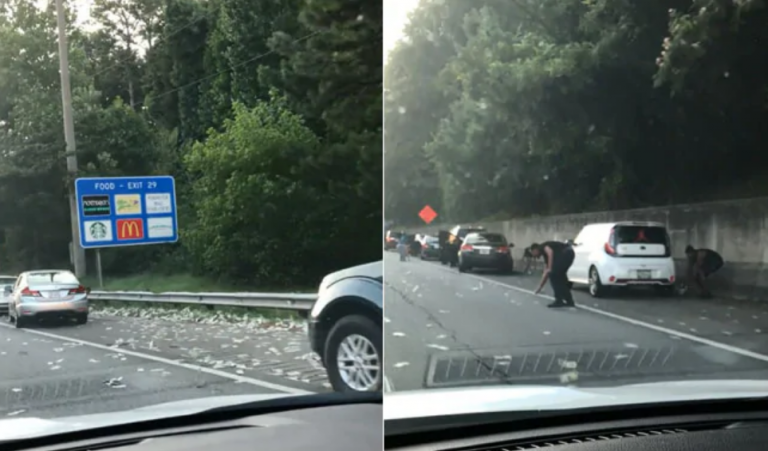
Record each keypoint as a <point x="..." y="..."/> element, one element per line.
<point x="88" y="290"/>
<point x="8" y="290"/>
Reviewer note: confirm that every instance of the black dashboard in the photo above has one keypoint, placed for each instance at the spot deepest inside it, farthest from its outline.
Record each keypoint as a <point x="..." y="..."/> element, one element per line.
<point x="672" y="430"/>
<point x="356" y="427"/>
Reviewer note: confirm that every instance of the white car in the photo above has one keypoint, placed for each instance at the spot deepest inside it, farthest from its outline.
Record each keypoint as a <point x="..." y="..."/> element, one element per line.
<point x="621" y="254"/>
<point x="5" y="281"/>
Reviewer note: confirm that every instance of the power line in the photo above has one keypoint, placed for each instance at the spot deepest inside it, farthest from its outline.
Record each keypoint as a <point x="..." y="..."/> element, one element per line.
<point x="240" y="64"/>
<point x="193" y="83"/>
<point x="159" y="41"/>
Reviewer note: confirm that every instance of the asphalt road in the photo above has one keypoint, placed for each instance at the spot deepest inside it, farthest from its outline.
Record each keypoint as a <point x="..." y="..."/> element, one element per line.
<point x="115" y="363"/>
<point x="445" y="329"/>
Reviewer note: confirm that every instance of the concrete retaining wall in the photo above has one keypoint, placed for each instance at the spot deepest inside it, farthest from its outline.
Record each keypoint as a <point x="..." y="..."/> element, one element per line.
<point x="738" y="230"/>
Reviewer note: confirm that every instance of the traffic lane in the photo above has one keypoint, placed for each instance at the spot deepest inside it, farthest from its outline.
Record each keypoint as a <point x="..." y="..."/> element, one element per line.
<point x="41" y="376"/>
<point x="434" y="314"/>
<point x="274" y="351"/>
<point x="740" y="323"/>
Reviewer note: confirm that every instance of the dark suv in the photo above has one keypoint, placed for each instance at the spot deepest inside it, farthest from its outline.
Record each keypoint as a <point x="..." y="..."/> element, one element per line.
<point x="345" y="328"/>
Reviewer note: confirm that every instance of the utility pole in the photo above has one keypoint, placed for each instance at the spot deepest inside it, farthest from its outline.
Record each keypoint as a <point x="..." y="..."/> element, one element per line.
<point x="78" y="253"/>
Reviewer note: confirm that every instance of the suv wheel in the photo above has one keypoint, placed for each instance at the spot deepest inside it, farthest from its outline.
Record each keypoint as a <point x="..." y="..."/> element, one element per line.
<point x="20" y="322"/>
<point x="353" y="354"/>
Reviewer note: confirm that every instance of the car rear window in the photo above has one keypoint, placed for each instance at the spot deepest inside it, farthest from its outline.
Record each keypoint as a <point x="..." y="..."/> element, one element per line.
<point x="640" y="234"/>
<point x="464" y="232"/>
<point x="42" y="278"/>
<point x="7" y="281"/>
<point x="489" y="238"/>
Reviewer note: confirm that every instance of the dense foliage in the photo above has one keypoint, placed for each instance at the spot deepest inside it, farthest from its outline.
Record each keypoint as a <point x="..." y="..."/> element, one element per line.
<point x="501" y="108"/>
<point x="267" y="113"/>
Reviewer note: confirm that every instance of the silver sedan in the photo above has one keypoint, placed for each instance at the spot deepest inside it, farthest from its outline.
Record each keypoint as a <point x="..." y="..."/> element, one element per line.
<point x="47" y="294"/>
<point x="5" y="283"/>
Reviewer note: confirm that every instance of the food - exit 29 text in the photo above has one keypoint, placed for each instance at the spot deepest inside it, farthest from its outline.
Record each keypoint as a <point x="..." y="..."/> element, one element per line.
<point x="109" y="186"/>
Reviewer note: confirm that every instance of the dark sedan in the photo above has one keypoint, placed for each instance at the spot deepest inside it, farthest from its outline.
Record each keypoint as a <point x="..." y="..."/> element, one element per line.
<point x="430" y="248"/>
<point x="486" y="251"/>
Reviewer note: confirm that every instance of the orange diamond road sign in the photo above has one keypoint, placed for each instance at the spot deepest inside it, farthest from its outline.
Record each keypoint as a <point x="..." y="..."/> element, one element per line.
<point x="427" y="214"/>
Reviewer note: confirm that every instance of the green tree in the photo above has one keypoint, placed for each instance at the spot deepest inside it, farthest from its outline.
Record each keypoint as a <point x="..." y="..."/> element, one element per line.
<point x="498" y="108"/>
<point x="257" y="217"/>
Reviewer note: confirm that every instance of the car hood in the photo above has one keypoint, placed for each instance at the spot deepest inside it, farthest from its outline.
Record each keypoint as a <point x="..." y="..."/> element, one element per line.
<point x="373" y="270"/>
<point x="456" y="401"/>
<point x="19" y="428"/>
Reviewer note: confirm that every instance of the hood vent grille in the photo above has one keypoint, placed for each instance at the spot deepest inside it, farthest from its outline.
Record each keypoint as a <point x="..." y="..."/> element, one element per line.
<point x="526" y="445"/>
<point x="587" y="439"/>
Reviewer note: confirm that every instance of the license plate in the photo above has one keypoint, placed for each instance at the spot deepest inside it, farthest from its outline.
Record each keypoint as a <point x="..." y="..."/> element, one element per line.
<point x="54" y="295"/>
<point x="485" y="251"/>
<point x="644" y="274"/>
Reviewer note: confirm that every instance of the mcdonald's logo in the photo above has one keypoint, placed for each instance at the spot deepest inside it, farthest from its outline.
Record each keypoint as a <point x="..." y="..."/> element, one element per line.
<point x="130" y="229"/>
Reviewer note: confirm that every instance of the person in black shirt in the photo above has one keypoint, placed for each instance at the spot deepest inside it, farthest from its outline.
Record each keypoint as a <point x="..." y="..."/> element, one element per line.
<point x="558" y="257"/>
<point x="702" y="263"/>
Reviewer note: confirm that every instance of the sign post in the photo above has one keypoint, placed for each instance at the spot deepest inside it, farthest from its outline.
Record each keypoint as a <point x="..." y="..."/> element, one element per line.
<point x="125" y="211"/>
<point x="98" y="268"/>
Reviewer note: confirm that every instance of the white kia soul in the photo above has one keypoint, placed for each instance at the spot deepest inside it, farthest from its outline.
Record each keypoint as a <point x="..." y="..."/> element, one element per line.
<point x="621" y="254"/>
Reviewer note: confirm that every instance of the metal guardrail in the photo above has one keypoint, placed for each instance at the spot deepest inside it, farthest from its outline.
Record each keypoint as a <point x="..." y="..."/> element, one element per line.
<point x="286" y="301"/>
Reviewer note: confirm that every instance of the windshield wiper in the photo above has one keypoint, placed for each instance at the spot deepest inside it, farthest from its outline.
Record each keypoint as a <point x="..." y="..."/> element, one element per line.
<point x="295" y="403"/>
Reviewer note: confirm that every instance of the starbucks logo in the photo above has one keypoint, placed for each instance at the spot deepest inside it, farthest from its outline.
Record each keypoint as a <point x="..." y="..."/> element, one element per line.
<point x="98" y="230"/>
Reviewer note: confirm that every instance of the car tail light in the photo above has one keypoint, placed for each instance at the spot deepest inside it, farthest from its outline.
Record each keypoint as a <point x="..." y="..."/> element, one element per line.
<point x="79" y="290"/>
<point x="502" y="249"/>
<point x="27" y="292"/>
<point x="467" y="247"/>
<point x="609" y="249"/>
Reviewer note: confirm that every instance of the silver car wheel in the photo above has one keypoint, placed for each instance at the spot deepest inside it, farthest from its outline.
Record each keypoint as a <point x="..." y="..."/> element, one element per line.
<point x="358" y="362"/>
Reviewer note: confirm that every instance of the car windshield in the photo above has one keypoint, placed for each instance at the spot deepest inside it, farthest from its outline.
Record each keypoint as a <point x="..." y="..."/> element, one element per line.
<point x="177" y="178"/>
<point x="614" y="146"/>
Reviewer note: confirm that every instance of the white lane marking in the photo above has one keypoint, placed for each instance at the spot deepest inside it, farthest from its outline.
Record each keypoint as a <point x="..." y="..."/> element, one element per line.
<point x="388" y="387"/>
<point x="188" y="366"/>
<point x="694" y="338"/>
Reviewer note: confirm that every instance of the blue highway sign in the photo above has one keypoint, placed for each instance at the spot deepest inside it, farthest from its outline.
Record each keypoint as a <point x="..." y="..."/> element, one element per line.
<point x="126" y="211"/>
